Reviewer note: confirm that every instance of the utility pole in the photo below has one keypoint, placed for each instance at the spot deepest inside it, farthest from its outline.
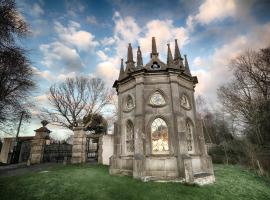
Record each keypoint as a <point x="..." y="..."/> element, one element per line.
<point x="19" y="127"/>
<point x="15" y="148"/>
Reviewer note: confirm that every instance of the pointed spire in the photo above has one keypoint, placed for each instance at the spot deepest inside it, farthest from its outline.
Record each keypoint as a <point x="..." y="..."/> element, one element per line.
<point x="169" y="56"/>
<point x="122" y="71"/>
<point x="154" y="48"/>
<point x="139" y="58"/>
<point x="177" y="55"/>
<point x="130" y="63"/>
<point x="129" y="54"/>
<point x="187" y="71"/>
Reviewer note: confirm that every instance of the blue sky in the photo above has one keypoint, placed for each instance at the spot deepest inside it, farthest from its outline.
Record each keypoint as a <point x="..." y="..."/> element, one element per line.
<point x="90" y="37"/>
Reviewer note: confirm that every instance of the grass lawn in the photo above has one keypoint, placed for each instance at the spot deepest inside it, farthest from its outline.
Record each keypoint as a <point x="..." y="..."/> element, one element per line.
<point x="93" y="182"/>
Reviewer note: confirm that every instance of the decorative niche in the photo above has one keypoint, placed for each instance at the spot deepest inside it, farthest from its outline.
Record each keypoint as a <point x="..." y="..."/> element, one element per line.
<point x="185" y="103"/>
<point x="129" y="103"/>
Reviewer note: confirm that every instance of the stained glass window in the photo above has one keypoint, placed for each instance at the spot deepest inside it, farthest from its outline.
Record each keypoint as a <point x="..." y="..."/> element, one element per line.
<point x="129" y="137"/>
<point x="129" y="102"/>
<point x="185" y="102"/>
<point x="157" y="99"/>
<point x="189" y="132"/>
<point x="159" y="133"/>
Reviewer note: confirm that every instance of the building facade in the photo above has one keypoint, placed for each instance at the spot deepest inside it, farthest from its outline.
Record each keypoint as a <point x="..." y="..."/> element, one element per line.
<point x="157" y="135"/>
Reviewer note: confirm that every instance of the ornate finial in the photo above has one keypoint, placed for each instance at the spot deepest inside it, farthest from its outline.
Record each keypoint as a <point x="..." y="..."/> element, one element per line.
<point x="187" y="71"/>
<point x="129" y="54"/>
<point x="169" y="55"/>
<point x="122" y="71"/>
<point x="139" y="57"/>
<point x="177" y="55"/>
<point x="44" y="123"/>
<point x="154" y="48"/>
<point x="130" y="63"/>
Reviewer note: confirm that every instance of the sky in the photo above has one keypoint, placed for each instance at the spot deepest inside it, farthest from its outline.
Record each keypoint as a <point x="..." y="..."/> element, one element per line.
<point x="89" y="38"/>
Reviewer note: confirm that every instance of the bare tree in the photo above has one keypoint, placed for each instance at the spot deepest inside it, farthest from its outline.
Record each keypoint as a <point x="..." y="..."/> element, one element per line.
<point x="76" y="99"/>
<point x="247" y="96"/>
<point x="16" y="74"/>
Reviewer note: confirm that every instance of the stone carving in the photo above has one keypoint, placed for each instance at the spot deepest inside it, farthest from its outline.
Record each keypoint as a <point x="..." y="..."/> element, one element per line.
<point x="165" y="146"/>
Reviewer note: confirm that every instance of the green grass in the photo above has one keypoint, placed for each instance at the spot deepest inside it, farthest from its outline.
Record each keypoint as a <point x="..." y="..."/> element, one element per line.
<point x="93" y="182"/>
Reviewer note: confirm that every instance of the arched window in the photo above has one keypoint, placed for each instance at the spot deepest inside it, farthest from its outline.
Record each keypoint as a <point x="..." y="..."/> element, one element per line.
<point x="190" y="142"/>
<point x="129" y="102"/>
<point x="185" y="102"/>
<point x="157" y="99"/>
<point x="129" y="137"/>
<point x="159" y="136"/>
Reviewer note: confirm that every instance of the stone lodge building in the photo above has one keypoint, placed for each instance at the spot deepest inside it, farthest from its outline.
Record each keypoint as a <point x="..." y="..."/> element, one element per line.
<point x="157" y="135"/>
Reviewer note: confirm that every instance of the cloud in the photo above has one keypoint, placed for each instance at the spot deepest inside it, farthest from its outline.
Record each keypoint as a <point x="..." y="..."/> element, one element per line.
<point x="56" y="52"/>
<point x="211" y="11"/>
<point x="41" y="98"/>
<point x="126" y="30"/>
<point x="102" y="55"/>
<point x="218" y="72"/>
<point x="165" y="32"/>
<point x="46" y="74"/>
<point x="91" y="20"/>
<point x="62" y="77"/>
<point x="108" y="70"/>
<point x="37" y="10"/>
<point x="198" y="62"/>
<point x="71" y="35"/>
<point x="107" y="41"/>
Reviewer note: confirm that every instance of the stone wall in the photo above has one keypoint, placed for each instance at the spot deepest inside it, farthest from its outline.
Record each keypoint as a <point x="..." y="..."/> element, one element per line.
<point x="79" y="146"/>
<point x="105" y="149"/>
<point x="6" y="149"/>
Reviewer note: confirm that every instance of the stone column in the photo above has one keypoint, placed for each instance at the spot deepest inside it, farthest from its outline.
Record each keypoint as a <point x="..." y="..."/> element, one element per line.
<point x="139" y="130"/>
<point x="38" y="144"/>
<point x="79" y="145"/>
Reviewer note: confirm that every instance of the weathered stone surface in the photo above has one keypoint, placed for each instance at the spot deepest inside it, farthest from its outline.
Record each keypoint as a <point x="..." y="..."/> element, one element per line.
<point x="186" y="153"/>
<point x="37" y="145"/>
<point x="78" y="148"/>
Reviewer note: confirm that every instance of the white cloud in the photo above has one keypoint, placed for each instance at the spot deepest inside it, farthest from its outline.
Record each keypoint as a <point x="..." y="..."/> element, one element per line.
<point x="212" y="10"/>
<point x="62" y="77"/>
<point x="57" y="51"/>
<point x="46" y="74"/>
<point x="198" y="62"/>
<point x="108" y="41"/>
<point x="126" y="30"/>
<point x="71" y="35"/>
<point x="218" y="72"/>
<point x="37" y="10"/>
<point x="41" y="98"/>
<point x="108" y="70"/>
<point x="102" y="55"/>
<point x="164" y="32"/>
<point x="91" y="20"/>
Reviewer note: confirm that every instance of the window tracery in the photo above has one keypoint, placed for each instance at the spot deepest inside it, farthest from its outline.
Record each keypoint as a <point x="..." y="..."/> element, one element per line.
<point x="157" y="99"/>
<point x="189" y="131"/>
<point x="159" y="136"/>
<point x="129" y="137"/>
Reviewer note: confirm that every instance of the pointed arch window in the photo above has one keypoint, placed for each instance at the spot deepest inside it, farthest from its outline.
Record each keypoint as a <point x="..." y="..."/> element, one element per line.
<point x="190" y="141"/>
<point x="185" y="102"/>
<point x="159" y="136"/>
<point x="129" y="137"/>
<point x="157" y="99"/>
